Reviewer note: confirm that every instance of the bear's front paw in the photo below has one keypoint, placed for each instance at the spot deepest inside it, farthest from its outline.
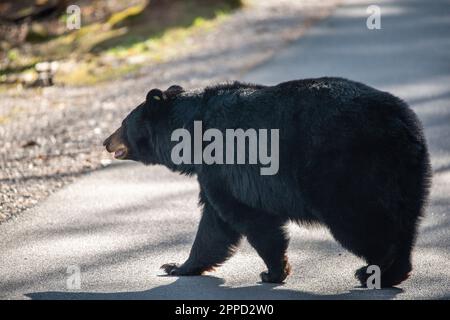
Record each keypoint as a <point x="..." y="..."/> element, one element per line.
<point x="277" y="277"/>
<point x="272" y="278"/>
<point x="173" y="269"/>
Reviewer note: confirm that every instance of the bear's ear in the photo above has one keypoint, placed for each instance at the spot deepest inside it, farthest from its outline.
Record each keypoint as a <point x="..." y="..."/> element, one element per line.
<point x="155" y="95"/>
<point x="173" y="91"/>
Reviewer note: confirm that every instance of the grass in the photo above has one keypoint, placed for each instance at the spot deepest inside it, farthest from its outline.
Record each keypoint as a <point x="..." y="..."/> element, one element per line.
<point x="105" y="50"/>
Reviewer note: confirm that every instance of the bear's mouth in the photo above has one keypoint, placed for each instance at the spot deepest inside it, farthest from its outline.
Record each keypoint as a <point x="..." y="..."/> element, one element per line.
<point x="121" y="152"/>
<point x="115" y="144"/>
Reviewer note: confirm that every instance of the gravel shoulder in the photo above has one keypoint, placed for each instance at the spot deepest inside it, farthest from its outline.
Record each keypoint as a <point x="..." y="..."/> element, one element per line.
<point x="53" y="135"/>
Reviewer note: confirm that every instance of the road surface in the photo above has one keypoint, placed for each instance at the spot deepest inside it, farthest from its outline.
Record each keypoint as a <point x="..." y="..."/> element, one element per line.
<point x="118" y="225"/>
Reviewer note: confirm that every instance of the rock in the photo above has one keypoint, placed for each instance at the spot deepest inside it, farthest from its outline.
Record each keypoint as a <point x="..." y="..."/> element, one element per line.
<point x="46" y="71"/>
<point x="30" y="143"/>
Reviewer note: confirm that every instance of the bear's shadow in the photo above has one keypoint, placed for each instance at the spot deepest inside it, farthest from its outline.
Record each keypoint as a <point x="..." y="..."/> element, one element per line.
<point x="212" y="288"/>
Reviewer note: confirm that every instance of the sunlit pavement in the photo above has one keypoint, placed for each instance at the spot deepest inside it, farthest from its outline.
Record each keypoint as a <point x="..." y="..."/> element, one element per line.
<point x="120" y="224"/>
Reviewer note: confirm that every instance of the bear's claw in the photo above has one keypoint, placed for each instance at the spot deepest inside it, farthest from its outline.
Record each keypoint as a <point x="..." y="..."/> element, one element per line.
<point x="172" y="269"/>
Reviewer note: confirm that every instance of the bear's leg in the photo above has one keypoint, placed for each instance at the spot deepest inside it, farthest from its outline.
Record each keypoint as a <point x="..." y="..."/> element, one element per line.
<point x="264" y="231"/>
<point x="270" y="240"/>
<point x="395" y="267"/>
<point x="391" y="252"/>
<point x="214" y="243"/>
<point x="371" y="199"/>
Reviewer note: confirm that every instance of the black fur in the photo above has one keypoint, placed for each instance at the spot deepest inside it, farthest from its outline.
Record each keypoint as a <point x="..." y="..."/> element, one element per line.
<point x="352" y="158"/>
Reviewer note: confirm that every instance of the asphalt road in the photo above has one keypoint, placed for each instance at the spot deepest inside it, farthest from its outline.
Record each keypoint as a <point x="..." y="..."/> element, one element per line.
<point x="118" y="225"/>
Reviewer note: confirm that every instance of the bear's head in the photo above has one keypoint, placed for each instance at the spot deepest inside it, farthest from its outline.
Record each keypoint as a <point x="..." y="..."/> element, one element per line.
<point x="137" y="137"/>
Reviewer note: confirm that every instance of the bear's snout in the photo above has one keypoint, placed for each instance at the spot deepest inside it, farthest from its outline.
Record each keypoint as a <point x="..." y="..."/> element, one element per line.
<point x="114" y="143"/>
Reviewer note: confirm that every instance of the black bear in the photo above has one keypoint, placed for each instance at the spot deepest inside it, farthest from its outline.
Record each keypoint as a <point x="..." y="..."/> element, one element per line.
<point x="351" y="158"/>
